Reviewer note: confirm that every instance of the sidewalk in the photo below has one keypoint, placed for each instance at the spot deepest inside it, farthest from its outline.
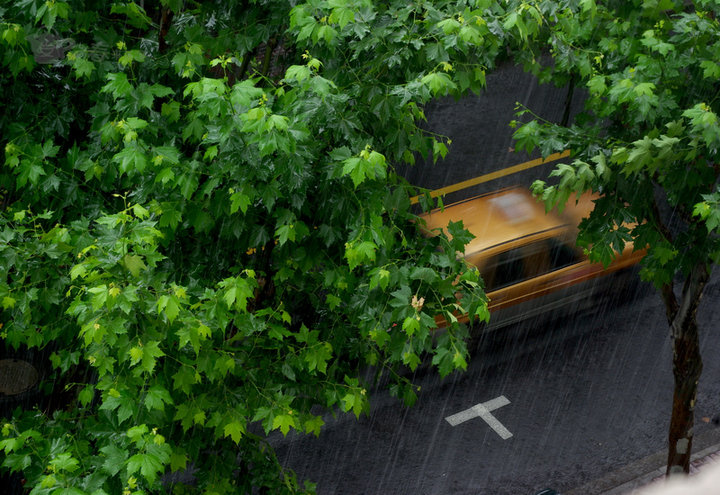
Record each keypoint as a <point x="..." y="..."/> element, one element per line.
<point x="627" y="480"/>
<point x="707" y="456"/>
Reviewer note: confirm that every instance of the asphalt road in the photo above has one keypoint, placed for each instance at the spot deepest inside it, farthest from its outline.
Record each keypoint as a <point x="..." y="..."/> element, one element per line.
<point x="587" y="395"/>
<point x="584" y="394"/>
<point x="481" y="137"/>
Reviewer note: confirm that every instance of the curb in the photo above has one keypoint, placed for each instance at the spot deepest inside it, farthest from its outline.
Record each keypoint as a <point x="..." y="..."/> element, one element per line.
<point x="702" y="458"/>
<point x="650" y="469"/>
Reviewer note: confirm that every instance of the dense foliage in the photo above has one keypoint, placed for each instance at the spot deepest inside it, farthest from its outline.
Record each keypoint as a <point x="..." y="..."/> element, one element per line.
<point x="202" y="227"/>
<point x="648" y="142"/>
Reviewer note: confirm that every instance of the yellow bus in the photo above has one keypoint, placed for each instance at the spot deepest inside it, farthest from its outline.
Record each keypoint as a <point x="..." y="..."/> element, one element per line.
<point x="527" y="258"/>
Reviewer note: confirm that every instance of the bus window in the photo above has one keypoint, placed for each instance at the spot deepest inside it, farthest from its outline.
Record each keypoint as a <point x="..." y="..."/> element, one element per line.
<point x="562" y="254"/>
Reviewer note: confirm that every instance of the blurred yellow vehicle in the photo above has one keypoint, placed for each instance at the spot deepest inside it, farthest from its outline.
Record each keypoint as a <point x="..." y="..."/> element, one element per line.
<point x="528" y="258"/>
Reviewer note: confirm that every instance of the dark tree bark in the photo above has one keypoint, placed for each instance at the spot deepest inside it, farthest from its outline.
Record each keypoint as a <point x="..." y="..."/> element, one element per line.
<point x="166" y="16"/>
<point x="269" y="48"/>
<point x="687" y="365"/>
<point x="568" y="102"/>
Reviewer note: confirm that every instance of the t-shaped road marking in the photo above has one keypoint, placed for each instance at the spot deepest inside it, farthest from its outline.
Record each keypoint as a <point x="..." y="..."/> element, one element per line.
<point x="482" y="410"/>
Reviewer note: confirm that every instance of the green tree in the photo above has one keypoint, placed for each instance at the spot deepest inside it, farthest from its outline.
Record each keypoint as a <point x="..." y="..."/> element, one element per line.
<point x="202" y="225"/>
<point x="648" y="142"/>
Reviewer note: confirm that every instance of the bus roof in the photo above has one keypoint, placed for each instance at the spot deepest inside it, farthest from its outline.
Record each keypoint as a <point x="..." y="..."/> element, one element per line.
<point x="502" y="216"/>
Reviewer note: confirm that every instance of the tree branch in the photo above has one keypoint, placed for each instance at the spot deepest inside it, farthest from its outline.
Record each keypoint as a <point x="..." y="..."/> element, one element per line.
<point x="166" y="17"/>
<point x="245" y="64"/>
<point x="690" y="298"/>
<point x="568" y="101"/>
<point x="671" y="304"/>
<point x="269" y="48"/>
<point x="664" y="230"/>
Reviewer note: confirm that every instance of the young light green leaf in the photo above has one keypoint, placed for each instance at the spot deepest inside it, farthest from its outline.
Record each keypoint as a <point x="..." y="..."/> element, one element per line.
<point x="235" y="430"/>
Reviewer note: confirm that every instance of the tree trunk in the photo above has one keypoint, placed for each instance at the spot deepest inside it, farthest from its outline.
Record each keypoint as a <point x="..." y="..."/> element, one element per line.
<point x="687" y="365"/>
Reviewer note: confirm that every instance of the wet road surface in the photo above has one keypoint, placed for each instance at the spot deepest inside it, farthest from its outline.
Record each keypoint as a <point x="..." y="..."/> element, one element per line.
<point x="587" y="394"/>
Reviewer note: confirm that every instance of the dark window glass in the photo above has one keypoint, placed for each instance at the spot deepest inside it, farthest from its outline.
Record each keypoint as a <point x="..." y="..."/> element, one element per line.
<point x="504" y="269"/>
<point x="535" y="259"/>
<point x="561" y="254"/>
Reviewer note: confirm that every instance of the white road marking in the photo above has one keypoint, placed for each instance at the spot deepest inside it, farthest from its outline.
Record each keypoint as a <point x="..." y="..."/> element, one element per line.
<point x="483" y="410"/>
